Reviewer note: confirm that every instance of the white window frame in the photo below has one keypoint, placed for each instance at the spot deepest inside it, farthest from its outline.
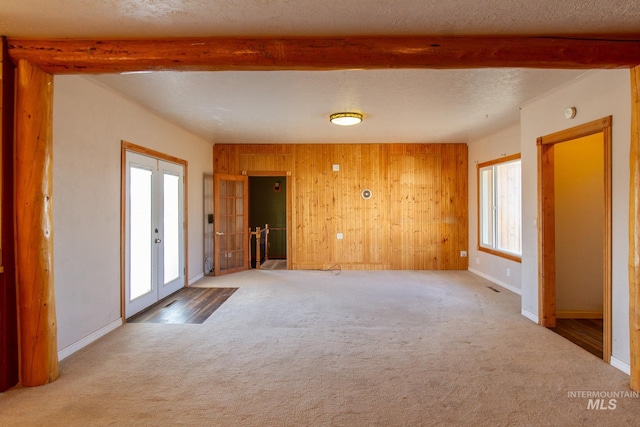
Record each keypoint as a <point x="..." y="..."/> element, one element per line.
<point x="492" y="247"/>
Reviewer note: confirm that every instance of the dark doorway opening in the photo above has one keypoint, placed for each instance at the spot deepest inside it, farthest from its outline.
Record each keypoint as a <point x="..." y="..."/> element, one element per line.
<point x="268" y="210"/>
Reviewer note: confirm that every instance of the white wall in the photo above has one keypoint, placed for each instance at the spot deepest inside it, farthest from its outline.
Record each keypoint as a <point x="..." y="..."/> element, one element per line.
<point x="599" y="94"/>
<point x="494" y="268"/>
<point x="89" y="124"/>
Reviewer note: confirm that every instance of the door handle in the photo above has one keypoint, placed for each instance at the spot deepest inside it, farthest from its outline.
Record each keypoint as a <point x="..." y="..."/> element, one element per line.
<point x="218" y="233"/>
<point x="158" y="241"/>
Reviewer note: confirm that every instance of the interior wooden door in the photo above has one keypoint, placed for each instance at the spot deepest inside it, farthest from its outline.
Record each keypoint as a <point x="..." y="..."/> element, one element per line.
<point x="231" y="223"/>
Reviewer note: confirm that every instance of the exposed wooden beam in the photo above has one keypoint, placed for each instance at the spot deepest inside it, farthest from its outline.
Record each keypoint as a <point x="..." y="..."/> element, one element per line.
<point x="72" y="56"/>
<point x="34" y="228"/>
<point x="634" y="231"/>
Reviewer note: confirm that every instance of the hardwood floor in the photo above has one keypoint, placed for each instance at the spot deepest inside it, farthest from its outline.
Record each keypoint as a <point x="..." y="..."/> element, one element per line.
<point x="274" y="264"/>
<point x="587" y="333"/>
<point x="188" y="305"/>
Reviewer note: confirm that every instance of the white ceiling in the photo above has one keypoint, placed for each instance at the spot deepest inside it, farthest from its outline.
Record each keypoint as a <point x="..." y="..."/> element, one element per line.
<point x="293" y="106"/>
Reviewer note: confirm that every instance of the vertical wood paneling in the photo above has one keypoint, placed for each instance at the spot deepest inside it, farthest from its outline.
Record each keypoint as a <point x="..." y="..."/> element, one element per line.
<point x="313" y="198"/>
<point x="417" y="226"/>
<point x="455" y="191"/>
<point x="34" y="229"/>
<point x="416" y="219"/>
<point x="265" y="162"/>
<point x="223" y="158"/>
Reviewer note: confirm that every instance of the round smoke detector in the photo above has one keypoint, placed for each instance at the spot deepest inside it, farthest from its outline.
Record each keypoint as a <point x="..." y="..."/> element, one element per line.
<point x="366" y="194"/>
<point x="570" y="112"/>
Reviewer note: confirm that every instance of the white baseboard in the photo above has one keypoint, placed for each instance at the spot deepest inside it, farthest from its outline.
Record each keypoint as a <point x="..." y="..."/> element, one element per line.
<point x="195" y="279"/>
<point x="496" y="281"/>
<point x="619" y="364"/>
<point x="68" y="351"/>
<point x="529" y="315"/>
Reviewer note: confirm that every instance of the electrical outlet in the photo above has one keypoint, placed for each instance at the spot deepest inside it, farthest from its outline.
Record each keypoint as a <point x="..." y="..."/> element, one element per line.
<point x="508" y="272"/>
<point x="336" y="168"/>
<point x="477" y="260"/>
<point x="339" y="236"/>
<point x="463" y="254"/>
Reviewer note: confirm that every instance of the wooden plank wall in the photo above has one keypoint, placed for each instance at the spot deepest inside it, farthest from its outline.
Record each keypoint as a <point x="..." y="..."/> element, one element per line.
<point x="416" y="219"/>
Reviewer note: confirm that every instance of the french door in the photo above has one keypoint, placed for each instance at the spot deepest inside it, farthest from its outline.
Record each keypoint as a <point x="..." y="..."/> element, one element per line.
<point x="154" y="228"/>
<point x="231" y="223"/>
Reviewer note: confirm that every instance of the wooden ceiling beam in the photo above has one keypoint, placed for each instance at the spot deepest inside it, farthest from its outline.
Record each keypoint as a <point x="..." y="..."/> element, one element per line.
<point x="84" y="56"/>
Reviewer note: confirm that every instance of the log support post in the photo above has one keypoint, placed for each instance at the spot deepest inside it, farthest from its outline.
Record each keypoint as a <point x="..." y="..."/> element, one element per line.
<point x="33" y="225"/>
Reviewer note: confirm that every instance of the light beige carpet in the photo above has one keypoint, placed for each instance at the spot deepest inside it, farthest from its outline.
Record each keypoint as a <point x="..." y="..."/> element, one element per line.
<point x="317" y="349"/>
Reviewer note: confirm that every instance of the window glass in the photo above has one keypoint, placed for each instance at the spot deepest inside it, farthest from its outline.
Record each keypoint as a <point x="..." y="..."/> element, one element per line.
<point x="500" y="201"/>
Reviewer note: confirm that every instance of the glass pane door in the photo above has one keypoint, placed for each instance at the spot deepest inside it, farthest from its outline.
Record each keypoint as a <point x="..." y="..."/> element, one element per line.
<point x="155" y="238"/>
<point x="171" y="227"/>
<point x="141" y="230"/>
<point x="231" y="223"/>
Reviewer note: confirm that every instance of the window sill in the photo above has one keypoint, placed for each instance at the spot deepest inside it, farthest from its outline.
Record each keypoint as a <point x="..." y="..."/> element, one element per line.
<point x="508" y="256"/>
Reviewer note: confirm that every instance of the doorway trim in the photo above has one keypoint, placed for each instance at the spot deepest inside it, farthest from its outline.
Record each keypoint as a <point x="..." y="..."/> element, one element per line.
<point x="546" y="224"/>
<point x="287" y="175"/>
<point x="128" y="146"/>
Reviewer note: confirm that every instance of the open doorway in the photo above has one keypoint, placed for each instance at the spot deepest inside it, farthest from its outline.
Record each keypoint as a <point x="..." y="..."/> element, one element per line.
<point x="268" y="217"/>
<point x="575" y="235"/>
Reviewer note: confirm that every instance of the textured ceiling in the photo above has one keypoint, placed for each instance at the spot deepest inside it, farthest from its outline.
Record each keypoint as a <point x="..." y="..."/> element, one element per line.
<point x="293" y="107"/>
<point x="174" y="18"/>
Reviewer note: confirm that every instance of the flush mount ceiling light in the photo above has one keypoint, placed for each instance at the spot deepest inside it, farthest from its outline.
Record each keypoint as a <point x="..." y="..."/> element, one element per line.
<point x="345" y="119"/>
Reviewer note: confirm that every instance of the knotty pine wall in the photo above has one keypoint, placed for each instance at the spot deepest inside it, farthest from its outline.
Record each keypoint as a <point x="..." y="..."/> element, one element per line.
<point x="417" y="218"/>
